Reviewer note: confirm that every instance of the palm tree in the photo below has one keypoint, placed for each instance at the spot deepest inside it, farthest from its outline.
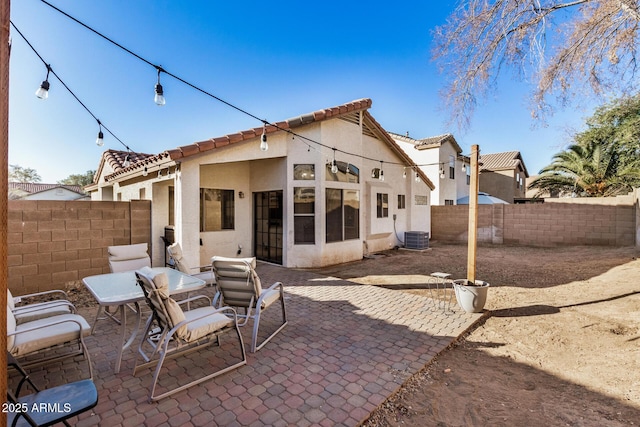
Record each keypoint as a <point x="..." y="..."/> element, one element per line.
<point x="588" y="170"/>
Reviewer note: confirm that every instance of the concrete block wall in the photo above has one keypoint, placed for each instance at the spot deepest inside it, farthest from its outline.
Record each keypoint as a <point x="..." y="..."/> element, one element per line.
<point x="539" y="224"/>
<point x="51" y="243"/>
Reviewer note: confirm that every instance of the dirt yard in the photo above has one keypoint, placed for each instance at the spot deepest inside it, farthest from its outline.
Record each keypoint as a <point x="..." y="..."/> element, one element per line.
<point x="558" y="348"/>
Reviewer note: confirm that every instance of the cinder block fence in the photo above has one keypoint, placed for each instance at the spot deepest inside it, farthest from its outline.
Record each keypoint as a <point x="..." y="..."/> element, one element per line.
<point x="547" y="224"/>
<point x="51" y="243"/>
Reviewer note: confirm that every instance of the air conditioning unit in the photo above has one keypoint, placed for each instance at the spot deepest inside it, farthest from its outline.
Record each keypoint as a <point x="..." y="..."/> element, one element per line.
<point x="416" y="240"/>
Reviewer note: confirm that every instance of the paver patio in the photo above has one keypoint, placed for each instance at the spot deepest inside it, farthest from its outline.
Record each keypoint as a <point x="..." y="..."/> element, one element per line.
<point x="347" y="348"/>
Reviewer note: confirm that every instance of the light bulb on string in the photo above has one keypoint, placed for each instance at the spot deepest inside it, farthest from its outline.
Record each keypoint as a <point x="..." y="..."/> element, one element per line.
<point x="334" y="165"/>
<point x="442" y="172"/>
<point x="381" y="174"/>
<point x="417" y="176"/>
<point x="43" y="90"/>
<point x="159" y="97"/>
<point x="404" y="173"/>
<point x="263" y="139"/>
<point x="126" y="162"/>
<point x="145" y="171"/>
<point x="100" y="138"/>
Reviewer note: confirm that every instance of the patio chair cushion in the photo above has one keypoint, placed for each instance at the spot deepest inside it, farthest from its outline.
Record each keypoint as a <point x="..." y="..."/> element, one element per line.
<point x="40" y="310"/>
<point x="11" y="327"/>
<point x="128" y="257"/>
<point x="10" y="301"/>
<point x="238" y="273"/>
<point x="173" y="308"/>
<point x="44" y="336"/>
<point x="205" y="326"/>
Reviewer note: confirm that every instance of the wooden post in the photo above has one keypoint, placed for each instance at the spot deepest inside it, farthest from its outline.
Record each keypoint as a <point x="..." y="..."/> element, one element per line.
<point x="473" y="214"/>
<point x="4" y="187"/>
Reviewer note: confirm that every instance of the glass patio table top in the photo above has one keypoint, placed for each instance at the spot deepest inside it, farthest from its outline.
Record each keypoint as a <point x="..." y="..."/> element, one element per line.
<point x="121" y="288"/>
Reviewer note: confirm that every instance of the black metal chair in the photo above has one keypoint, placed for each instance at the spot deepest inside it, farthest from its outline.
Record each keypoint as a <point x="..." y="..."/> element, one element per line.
<point x="50" y="406"/>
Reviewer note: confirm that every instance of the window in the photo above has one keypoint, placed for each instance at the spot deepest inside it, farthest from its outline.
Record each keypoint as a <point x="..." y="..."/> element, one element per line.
<point x="343" y="214"/>
<point x="448" y="202"/>
<point x="402" y="201"/>
<point x="304" y="202"/>
<point x="382" y="203"/>
<point x="452" y="167"/>
<point x="304" y="172"/>
<point x="346" y="173"/>
<point x="217" y="209"/>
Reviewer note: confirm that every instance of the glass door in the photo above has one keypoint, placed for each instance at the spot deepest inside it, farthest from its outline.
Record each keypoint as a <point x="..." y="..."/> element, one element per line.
<point x="267" y="230"/>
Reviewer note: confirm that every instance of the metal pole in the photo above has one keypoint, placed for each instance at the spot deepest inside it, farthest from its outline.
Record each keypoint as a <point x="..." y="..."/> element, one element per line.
<point x="4" y="186"/>
<point x="473" y="214"/>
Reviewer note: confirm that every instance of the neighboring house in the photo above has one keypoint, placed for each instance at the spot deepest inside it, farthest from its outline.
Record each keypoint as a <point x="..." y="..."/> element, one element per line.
<point x="36" y="191"/>
<point x="309" y="200"/>
<point x="503" y="175"/>
<point x="441" y="159"/>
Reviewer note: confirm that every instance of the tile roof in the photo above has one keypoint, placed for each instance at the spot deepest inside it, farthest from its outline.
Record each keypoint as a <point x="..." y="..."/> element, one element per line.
<point x="502" y="161"/>
<point x="138" y="161"/>
<point x="428" y="142"/>
<point x="234" y="138"/>
<point x="35" y="187"/>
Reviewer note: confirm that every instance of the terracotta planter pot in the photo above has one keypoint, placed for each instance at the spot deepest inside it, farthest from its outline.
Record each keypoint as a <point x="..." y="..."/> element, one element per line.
<point x="471" y="297"/>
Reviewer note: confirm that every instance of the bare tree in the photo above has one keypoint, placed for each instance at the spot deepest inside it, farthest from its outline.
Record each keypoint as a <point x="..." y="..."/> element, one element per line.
<point x="568" y="48"/>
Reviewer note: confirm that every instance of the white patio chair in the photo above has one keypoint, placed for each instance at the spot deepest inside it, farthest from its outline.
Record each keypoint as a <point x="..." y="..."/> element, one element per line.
<point x="181" y="332"/>
<point x="239" y="286"/>
<point x="204" y="272"/>
<point x="124" y="258"/>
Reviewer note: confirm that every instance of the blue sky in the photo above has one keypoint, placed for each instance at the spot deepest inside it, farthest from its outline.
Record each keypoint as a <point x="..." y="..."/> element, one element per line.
<point x="275" y="60"/>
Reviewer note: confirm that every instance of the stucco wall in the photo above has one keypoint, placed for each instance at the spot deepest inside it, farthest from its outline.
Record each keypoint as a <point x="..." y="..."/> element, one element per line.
<point x="539" y="224"/>
<point x="51" y="243"/>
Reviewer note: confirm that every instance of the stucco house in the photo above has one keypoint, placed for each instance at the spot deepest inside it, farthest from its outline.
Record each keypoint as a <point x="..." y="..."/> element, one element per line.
<point x="38" y="191"/>
<point x="325" y="188"/>
<point x="440" y="158"/>
<point x="503" y="175"/>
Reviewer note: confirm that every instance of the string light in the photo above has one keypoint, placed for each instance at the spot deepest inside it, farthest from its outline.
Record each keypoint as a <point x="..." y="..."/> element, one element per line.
<point x="404" y="173"/>
<point x="442" y="171"/>
<point x="263" y="139"/>
<point x="100" y="138"/>
<point x="159" y="98"/>
<point x="126" y="162"/>
<point x="43" y="90"/>
<point x="334" y="165"/>
<point x="145" y="172"/>
<point x="417" y="176"/>
<point x="381" y="174"/>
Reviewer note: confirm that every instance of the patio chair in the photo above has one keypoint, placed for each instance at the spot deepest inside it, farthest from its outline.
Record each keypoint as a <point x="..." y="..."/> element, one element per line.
<point x="49" y="338"/>
<point x="203" y="272"/>
<point x="181" y="332"/>
<point x="39" y="310"/>
<point x="239" y="286"/>
<point x="61" y="402"/>
<point x="124" y="258"/>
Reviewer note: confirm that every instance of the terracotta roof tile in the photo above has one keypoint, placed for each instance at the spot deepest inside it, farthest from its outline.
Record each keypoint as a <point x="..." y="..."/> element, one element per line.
<point x="36" y="187"/>
<point x="214" y="143"/>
